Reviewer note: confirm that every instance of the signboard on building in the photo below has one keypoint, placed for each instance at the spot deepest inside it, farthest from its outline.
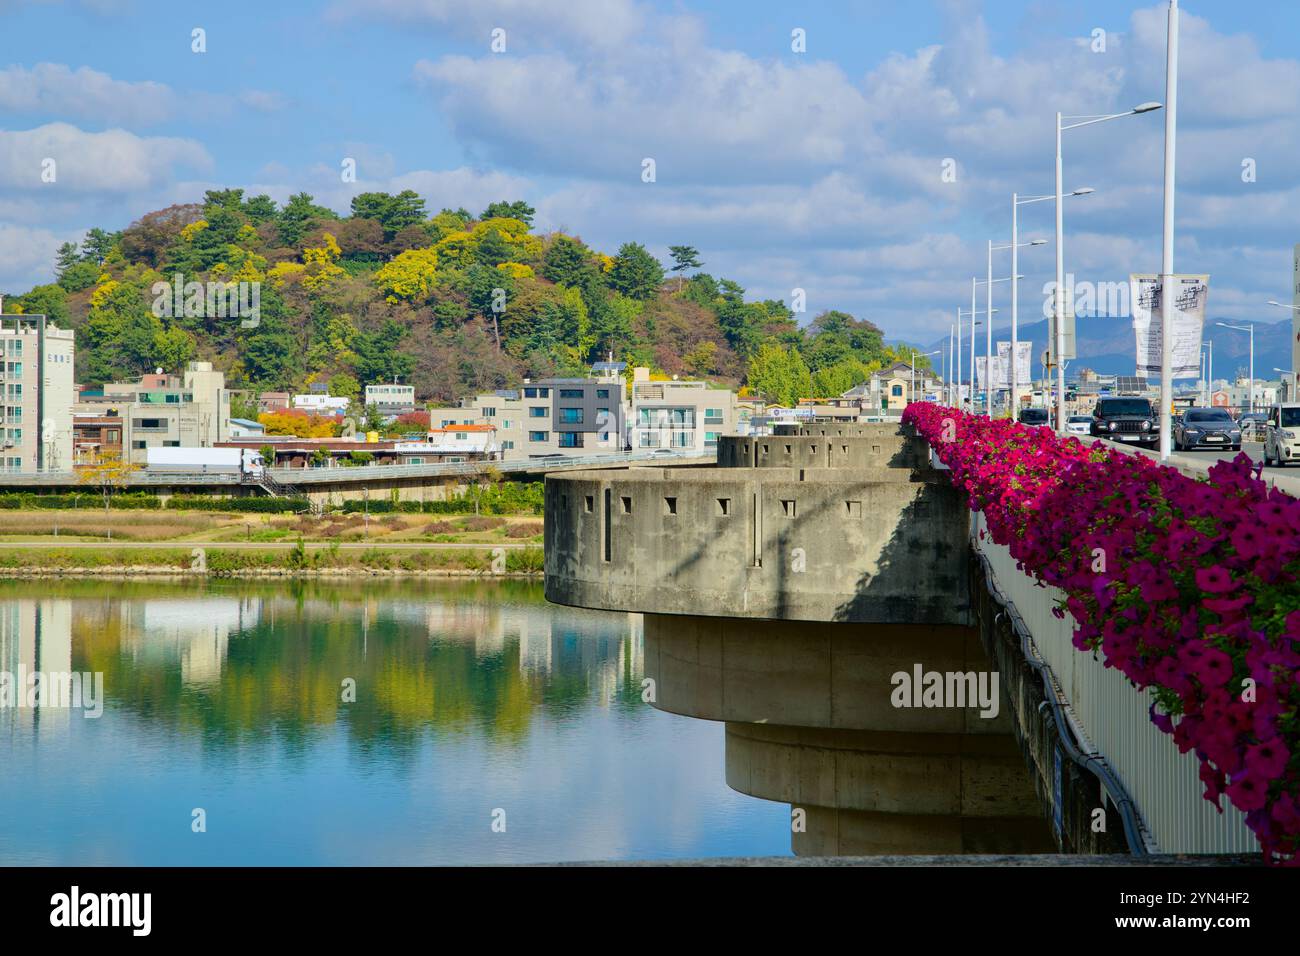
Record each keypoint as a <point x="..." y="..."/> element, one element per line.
<point x="1186" y="323"/>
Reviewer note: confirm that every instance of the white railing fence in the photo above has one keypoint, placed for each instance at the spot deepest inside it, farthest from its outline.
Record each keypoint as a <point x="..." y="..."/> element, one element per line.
<point x="1113" y="716"/>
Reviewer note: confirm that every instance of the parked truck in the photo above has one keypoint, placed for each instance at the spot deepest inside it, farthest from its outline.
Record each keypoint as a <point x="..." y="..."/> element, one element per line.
<point x="206" y="461"/>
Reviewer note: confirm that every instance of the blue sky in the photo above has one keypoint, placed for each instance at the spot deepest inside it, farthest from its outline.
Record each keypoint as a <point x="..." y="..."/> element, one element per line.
<point x="818" y="170"/>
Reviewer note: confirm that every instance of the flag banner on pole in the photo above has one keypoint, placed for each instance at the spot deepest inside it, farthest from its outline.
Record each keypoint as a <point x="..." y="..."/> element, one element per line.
<point x="981" y="372"/>
<point x="1187" y="323"/>
<point x="1002" y="364"/>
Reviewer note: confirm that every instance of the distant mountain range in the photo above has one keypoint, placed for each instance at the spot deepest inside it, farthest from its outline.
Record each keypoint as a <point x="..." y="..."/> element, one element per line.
<point x="1107" y="345"/>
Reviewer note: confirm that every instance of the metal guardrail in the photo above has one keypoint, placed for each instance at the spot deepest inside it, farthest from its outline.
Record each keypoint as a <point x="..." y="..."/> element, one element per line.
<point x="319" y="476"/>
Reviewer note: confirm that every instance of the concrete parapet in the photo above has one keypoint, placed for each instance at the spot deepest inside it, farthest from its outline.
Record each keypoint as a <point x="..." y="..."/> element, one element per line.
<point x="884" y="448"/>
<point x="774" y="543"/>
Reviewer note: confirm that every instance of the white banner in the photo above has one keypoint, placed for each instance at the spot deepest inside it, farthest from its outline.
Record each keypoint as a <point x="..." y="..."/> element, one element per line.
<point x="1187" y="322"/>
<point x="1002" y="365"/>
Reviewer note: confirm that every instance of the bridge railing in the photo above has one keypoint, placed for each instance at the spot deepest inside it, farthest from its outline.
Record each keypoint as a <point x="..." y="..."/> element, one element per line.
<point x="1111" y="719"/>
<point x="307" y="476"/>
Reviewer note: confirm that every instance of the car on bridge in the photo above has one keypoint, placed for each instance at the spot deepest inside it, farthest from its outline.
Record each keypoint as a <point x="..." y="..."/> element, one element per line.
<point x="1078" y="424"/>
<point x="1034" y="416"/>
<point x="1282" y="434"/>
<point x="1128" y="419"/>
<point x="1206" y="428"/>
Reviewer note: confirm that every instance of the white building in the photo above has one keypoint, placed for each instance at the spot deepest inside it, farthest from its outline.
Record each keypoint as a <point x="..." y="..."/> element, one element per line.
<point x="321" y="404"/>
<point x="36" y="394"/>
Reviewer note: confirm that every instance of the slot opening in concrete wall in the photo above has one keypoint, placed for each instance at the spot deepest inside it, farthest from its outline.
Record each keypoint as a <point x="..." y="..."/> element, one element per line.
<point x="608" y="531"/>
<point x="670" y="505"/>
<point x="787" y="507"/>
<point x="590" y="503"/>
<point x="724" y="506"/>
<point x="854" y="508"/>
<point x="627" y="504"/>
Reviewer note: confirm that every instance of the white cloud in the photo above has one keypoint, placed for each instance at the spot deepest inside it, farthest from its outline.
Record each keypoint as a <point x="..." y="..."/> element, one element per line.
<point x="527" y="23"/>
<point x="27" y="255"/>
<point x="57" y="89"/>
<point x="113" y="161"/>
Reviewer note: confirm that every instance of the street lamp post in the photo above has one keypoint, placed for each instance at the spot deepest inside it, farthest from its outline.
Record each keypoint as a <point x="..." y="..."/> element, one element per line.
<point x="915" y="353"/>
<point x="1250" y="399"/>
<point x="1295" y="343"/>
<point x="1058" y="308"/>
<point x="1207" y="347"/>
<point x="1016" y="202"/>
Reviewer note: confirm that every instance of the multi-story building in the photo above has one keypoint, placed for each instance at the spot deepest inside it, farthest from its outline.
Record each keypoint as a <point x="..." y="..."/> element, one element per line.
<point x="191" y="410"/>
<point x="681" y="416"/>
<point x="36" y="394"/>
<point x="554" y="416"/>
<point x="391" y="400"/>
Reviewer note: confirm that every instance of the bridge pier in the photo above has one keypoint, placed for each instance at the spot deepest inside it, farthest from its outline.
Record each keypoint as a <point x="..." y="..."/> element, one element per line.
<point x="784" y="592"/>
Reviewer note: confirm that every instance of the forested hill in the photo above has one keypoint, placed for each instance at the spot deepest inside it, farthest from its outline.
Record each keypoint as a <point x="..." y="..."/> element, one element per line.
<point x="392" y="292"/>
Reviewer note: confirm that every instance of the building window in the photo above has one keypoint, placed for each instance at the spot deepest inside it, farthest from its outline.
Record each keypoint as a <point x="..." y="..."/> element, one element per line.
<point x="489" y="412"/>
<point x="571" y="393"/>
<point x="896" y="391"/>
<point x="670" y="505"/>
<point x="538" y="436"/>
<point x="16" y="369"/>
<point x="507" y="445"/>
<point x="139" y="443"/>
<point x="571" y="416"/>
<point x="570" y="439"/>
<point x="713" y="416"/>
<point x="538" y="411"/>
<point x="171" y="444"/>
<point x="415" y="461"/>
<point x="710" y="438"/>
<point x="602" y="393"/>
<point x="682" y="439"/>
<point x="462" y="436"/>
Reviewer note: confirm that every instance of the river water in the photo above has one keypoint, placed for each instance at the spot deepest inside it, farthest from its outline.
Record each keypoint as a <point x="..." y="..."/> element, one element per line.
<point x="411" y="722"/>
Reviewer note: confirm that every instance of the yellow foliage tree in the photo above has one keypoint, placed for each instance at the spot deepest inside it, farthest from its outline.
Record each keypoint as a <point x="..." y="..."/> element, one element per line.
<point x="103" y="291"/>
<point x="300" y="426"/>
<point x="283" y="271"/>
<point x="410" y="276"/>
<point x="193" y="229"/>
<point x="516" y="270"/>
<point x="321" y="265"/>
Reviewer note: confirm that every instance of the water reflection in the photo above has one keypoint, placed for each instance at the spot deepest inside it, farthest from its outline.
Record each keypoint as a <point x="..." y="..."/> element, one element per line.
<point x="237" y="698"/>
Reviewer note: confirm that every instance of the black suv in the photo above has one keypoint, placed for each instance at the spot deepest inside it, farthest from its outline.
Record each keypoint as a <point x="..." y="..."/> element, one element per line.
<point x="1033" y="416"/>
<point x="1126" y="419"/>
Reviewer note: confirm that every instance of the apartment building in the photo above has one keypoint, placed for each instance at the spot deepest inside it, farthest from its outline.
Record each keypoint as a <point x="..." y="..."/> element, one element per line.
<point x="555" y="416"/>
<point x="391" y="400"/>
<point x="682" y="416"/>
<point x="191" y="410"/>
<point x="36" y="394"/>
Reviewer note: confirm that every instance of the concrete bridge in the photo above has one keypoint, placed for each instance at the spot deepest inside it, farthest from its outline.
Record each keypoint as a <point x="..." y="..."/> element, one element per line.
<point x="323" y="486"/>
<point x="810" y="591"/>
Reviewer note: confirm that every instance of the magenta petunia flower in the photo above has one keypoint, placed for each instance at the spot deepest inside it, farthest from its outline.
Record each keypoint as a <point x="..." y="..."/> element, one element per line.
<point x="1215" y="580"/>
